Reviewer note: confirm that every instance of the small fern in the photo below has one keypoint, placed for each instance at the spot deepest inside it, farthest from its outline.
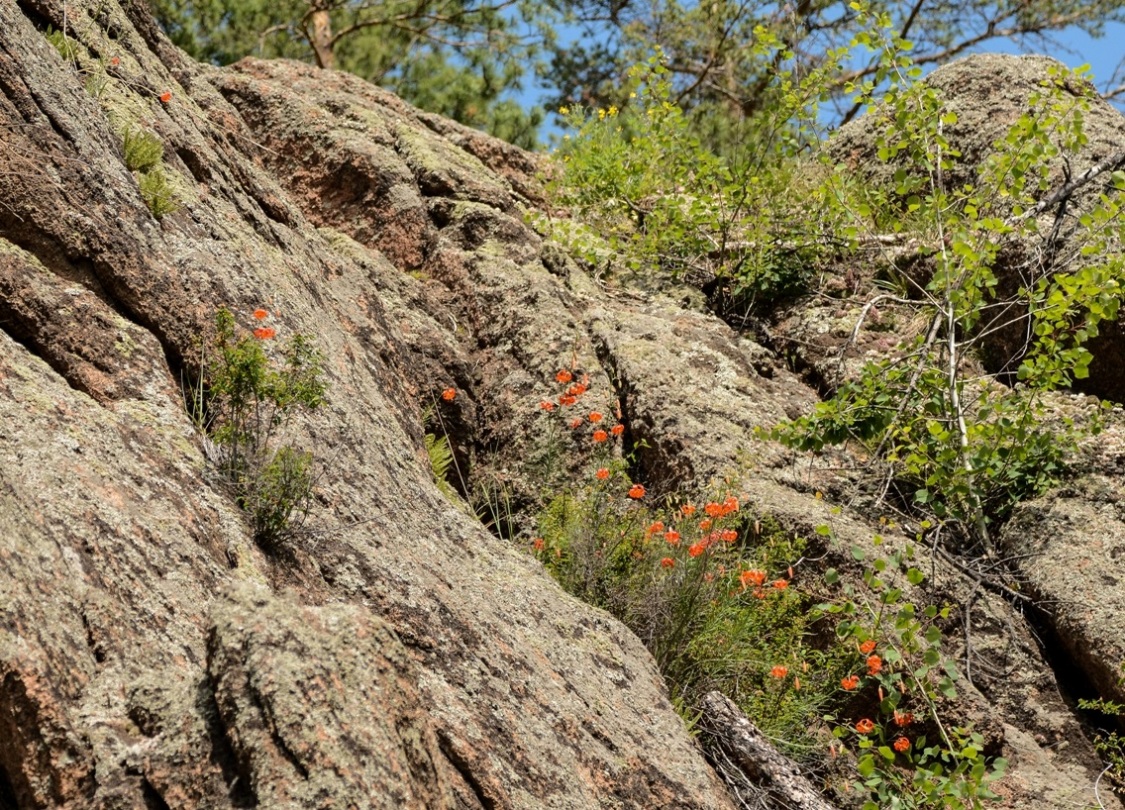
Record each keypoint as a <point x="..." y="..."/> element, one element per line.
<point x="62" y="43"/>
<point x="441" y="460"/>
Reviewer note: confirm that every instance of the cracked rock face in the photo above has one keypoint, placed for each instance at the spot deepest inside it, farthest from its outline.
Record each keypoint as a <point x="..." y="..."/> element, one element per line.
<point x="150" y="654"/>
<point x="397" y="654"/>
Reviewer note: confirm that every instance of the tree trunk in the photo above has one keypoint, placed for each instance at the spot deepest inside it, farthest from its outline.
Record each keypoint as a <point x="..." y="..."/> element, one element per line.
<point x="320" y="37"/>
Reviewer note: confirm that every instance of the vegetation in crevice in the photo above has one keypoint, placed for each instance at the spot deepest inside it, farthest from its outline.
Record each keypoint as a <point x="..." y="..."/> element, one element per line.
<point x="248" y="393"/>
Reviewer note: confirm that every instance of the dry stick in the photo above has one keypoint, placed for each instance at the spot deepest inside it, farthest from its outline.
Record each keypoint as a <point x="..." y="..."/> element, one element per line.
<point x="1097" y="795"/>
<point x="733" y="736"/>
<point x="1111" y="163"/>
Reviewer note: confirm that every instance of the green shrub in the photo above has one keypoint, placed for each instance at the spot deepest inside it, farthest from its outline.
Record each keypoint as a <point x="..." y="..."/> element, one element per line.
<point x="158" y="193"/>
<point x="908" y="756"/>
<point x="646" y="192"/>
<point x="952" y="446"/>
<point x="246" y="397"/>
<point x="143" y="150"/>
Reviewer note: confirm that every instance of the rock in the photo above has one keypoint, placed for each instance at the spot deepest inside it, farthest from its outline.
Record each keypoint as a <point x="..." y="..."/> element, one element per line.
<point x="322" y="706"/>
<point x="393" y="650"/>
<point x="988" y="93"/>
<point x="135" y="672"/>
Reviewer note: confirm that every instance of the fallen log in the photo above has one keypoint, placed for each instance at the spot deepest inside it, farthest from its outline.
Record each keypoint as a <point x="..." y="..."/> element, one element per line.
<point x="757" y="774"/>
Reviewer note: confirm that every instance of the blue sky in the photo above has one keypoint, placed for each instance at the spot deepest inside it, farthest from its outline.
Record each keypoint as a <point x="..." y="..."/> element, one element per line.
<point x="1073" y="47"/>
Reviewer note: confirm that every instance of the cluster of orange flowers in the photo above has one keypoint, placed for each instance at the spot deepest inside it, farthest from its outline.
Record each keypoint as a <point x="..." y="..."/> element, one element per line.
<point x="757" y="579"/>
<point x="866" y="726"/>
<point x="874" y="665"/>
<point x="902" y="719"/>
<point x="263" y="332"/>
<point x="570" y="396"/>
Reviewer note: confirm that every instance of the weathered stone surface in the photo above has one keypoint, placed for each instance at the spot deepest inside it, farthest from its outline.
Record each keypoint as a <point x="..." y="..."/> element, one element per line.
<point x="397" y="652"/>
<point x="322" y="706"/>
<point x="1068" y="544"/>
<point x="128" y="680"/>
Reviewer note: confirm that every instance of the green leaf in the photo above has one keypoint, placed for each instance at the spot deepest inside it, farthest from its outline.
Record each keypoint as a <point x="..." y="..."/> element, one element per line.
<point x="866" y="765"/>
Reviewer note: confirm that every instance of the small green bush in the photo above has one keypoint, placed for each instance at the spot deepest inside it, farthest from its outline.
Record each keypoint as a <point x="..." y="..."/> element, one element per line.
<point x="143" y="150"/>
<point x="644" y="193"/>
<point x="158" y="193"/>
<point x="246" y="397"/>
<point x="66" y="46"/>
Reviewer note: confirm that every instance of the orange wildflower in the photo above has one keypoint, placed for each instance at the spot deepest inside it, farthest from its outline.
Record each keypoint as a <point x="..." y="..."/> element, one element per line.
<point x="713" y="509"/>
<point x="546" y="405"/>
<point x="849" y="683"/>
<point x="728" y="535"/>
<point x="166" y="96"/>
<point x="730" y="505"/>
<point x="567" y="399"/>
<point x="667" y="562"/>
<point x="752" y="577"/>
<point x="673" y="538"/>
<point x="564" y="376"/>
<point x="636" y="492"/>
<point x="115" y="61"/>
<point x="867" y="646"/>
<point x="874" y="665"/>
<point x="600" y="435"/>
<point x="658" y="526"/>
<point x="696" y="549"/>
<point x="264" y="333"/>
<point x="577" y="390"/>
<point x="577" y="423"/>
<point x="602" y="474"/>
<point x="595" y="416"/>
<point x="779" y="671"/>
<point x="449" y="394"/>
<point x="687" y="509"/>
<point x="781" y="584"/>
<point x="903" y="719"/>
<point x="261" y="314"/>
<point x="617" y="430"/>
<point x="538" y="544"/>
<point x="705" y="525"/>
<point x="865" y="726"/>
<point x="901" y="744"/>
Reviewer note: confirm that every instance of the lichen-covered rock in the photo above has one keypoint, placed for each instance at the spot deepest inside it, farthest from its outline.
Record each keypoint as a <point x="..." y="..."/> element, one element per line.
<point x="322" y="707"/>
<point x="1067" y="544"/>
<point x="988" y="93"/>
<point x="394" y="653"/>
<point x="136" y="670"/>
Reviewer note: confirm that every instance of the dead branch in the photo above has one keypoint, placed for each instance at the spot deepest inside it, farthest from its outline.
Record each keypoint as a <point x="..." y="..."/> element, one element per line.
<point x="731" y="739"/>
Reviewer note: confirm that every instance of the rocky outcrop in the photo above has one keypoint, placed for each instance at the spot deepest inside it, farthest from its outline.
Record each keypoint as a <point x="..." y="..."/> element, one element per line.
<point x="406" y="655"/>
<point x="394" y="653"/>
